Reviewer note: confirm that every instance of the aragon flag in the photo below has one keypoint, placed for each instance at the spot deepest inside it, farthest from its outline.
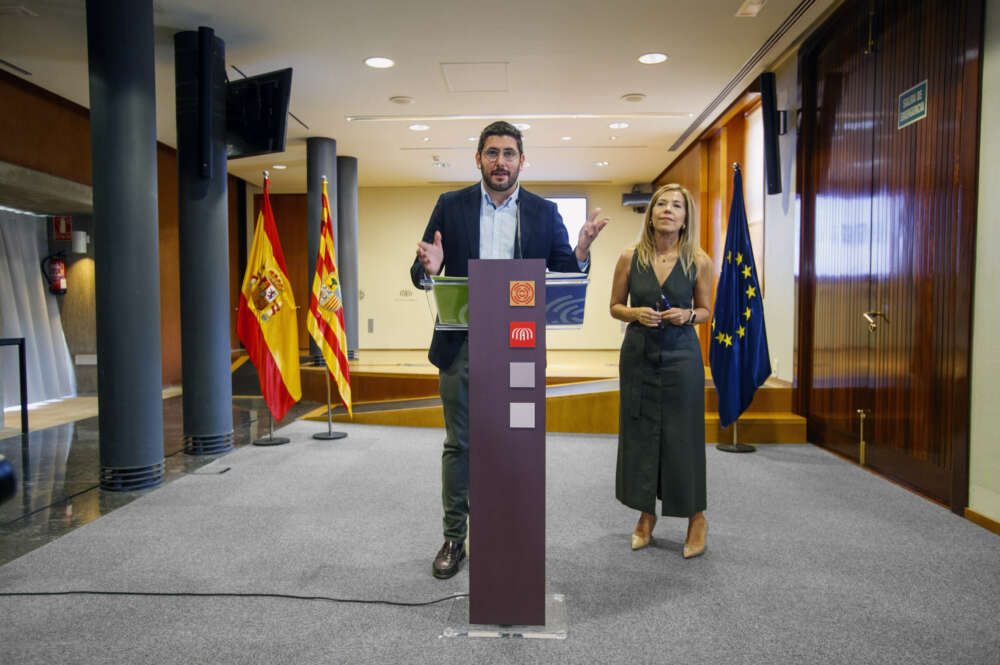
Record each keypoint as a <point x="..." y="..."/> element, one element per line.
<point x="326" y="310"/>
<point x="266" y="321"/>
<point x="738" y="354"/>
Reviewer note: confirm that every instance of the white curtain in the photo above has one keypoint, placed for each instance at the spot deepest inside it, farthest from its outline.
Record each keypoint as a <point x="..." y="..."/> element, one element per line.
<point x="28" y="310"/>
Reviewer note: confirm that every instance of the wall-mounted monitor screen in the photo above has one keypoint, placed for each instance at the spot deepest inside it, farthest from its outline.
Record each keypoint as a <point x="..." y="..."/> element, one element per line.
<point x="257" y="113"/>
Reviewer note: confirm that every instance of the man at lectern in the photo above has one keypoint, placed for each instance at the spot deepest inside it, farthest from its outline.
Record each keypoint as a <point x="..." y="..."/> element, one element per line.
<point x="493" y="219"/>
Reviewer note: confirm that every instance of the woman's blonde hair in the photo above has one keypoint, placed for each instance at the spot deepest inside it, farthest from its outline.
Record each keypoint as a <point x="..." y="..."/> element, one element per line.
<point x="688" y="242"/>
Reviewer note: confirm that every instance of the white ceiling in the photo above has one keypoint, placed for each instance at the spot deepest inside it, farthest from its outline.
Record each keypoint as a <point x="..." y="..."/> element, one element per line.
<point x="561" y="59"/>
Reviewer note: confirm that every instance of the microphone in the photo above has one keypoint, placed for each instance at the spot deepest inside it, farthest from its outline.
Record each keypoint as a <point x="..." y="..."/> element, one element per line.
<point x="520" y="249"/>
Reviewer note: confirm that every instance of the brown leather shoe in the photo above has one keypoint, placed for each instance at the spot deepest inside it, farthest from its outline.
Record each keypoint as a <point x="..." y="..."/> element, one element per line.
<point x="446" y="563"/>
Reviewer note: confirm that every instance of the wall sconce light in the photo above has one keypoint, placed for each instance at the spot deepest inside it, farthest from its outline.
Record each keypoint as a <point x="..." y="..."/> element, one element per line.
<point x="80" y="240"/>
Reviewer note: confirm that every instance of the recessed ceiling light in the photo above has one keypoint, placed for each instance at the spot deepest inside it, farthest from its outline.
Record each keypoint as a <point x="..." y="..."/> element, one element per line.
<point x="618" y="125"/>
<point x="379" y="63"/>
<point x="279" y="167"/>
<point x="633" y="97"/>
<point x="401" y="99"/>
<point x="652" y="58"/>
<point x="522" y="126"/>
<point x="600" y="163"/>
<point x="567" y="138"/>
<point x="427" y="138"/>
<point x="612" y="138"/>
<point x="420" y="128"/>
<point x="750" y="8"/>
<point x="690" y="115"/>
<point x="473" y="138"/>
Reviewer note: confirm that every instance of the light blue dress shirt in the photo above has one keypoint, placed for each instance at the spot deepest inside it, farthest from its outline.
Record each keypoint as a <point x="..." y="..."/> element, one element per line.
<point x="498" y="227"/>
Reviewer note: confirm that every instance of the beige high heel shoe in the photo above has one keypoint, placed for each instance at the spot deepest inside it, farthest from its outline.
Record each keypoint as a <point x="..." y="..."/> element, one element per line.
<point x="693" y="548"/>
<point x="643" y="531"/>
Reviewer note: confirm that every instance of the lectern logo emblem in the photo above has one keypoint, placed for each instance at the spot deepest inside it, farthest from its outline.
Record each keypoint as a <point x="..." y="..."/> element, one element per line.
<point x="522" y="334"/>
<point x="522" y="293"/>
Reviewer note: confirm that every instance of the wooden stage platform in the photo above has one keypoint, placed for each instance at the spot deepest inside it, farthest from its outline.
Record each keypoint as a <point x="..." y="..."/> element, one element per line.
<point x="401" y="388"/>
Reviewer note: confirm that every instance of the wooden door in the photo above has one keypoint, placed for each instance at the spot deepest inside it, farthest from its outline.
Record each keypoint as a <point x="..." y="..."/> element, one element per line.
<point x="923" y="234"/>
<point x="889" y="228"/>
<point x="838" y="112"/>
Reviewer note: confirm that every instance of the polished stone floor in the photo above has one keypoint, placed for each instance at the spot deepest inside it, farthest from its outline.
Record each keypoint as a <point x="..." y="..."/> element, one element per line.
<point x="58" y="469"/>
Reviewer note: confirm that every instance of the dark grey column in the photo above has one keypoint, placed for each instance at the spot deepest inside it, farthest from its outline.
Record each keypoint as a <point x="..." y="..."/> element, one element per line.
<point x="321" y="160"/>
<point x="347" y="247"/>
<point x="203" y="217"/>
<point x="126" y="242"/>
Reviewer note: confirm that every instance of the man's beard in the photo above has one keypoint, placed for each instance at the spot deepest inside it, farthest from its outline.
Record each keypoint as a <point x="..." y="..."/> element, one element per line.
<point x="488" y="178"/>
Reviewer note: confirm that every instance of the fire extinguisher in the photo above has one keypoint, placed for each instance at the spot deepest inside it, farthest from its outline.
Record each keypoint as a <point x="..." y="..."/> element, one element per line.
<point x="54" y="269"/>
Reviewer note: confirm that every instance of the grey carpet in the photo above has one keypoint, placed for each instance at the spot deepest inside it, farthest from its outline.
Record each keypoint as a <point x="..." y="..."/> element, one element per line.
<point x="810" y="560"/>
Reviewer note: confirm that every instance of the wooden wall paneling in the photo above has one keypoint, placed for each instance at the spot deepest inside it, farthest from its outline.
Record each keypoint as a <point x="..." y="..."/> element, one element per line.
<point x="290" y="217"/>
<point x="705" y="168"/>
<point x="805" y="179"/>
<point x="841" y="237"/>
<point x="921" y="409"/>
<point x="921" y="235"/>
<point x="170" y="271"/>
<point x="235" y="224"/>
<point x="969" y="101"/>
<point x="46" y="133"/>
<point x="716" y="194"/>
<point x="685" y="171"/>
<point x="896" y="266"/>
<point x="704" y="331"/>
<point x="736" y="136"/>
<point x="43" y="132"/>
<point x="691" y="171"/>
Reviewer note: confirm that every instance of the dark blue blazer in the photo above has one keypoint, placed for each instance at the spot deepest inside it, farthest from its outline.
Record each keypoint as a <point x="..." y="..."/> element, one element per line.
<point x="456" y="216"/>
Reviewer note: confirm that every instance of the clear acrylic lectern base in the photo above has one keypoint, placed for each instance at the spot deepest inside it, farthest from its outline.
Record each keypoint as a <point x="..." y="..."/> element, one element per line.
<point x="554" y="629"/>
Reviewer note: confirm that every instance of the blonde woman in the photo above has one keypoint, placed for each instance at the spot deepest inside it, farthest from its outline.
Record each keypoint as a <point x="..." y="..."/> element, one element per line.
<point x="662" y="288"/>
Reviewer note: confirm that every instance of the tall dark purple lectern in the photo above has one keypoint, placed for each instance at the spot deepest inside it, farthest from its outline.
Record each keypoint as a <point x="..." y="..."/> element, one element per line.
<point x="507" y="442"/>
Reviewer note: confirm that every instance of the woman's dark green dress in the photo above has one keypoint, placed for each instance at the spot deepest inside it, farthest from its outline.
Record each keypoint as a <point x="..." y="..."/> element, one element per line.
<point x="661" y="427"/>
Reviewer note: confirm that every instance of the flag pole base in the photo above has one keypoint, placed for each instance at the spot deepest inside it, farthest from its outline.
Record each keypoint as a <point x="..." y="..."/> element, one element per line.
<point x="328" y="436"/>
<point x="735" y="447"/>
<point x="271" y="441"/>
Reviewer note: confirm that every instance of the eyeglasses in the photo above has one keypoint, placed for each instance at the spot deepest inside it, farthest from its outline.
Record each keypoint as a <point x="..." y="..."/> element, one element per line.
<point x="492" y="154"/>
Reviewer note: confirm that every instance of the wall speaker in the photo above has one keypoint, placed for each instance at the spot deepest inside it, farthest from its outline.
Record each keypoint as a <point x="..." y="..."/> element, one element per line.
<point x="769" y="111"/>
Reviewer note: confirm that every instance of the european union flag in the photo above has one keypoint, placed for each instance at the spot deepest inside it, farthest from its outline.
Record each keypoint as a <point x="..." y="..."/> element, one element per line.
<point x="738" y="353"/>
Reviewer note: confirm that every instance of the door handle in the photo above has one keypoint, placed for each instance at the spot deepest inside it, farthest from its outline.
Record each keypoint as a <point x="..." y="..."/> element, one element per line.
<point x="870" y="318"/>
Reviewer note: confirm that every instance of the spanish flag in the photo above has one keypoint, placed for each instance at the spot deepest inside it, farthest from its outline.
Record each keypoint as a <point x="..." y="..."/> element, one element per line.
<point x="266" y="320"/>
<point x="326" y="310"/>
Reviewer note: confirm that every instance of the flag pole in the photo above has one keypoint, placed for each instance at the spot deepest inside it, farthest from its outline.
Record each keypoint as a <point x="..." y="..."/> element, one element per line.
<point x="270" y="439"/>
<point x="329" y="434"/>
<point x="736" y="446"/>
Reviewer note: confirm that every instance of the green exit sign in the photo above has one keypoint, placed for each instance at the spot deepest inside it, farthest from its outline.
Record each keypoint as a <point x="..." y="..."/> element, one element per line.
<point x="912" y="105"/>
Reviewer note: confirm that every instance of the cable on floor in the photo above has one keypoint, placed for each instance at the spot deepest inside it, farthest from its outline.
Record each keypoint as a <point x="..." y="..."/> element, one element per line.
<point x="195" y="594"/>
